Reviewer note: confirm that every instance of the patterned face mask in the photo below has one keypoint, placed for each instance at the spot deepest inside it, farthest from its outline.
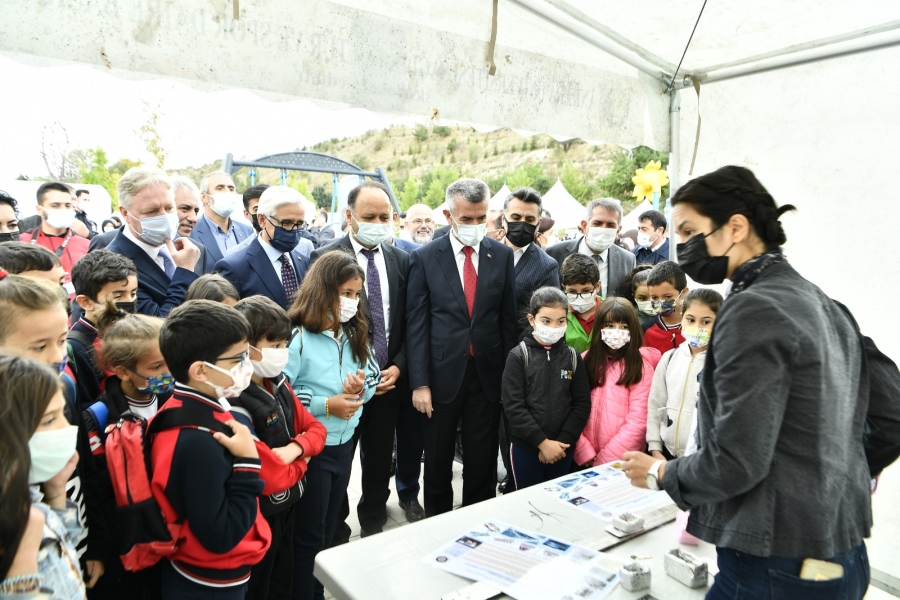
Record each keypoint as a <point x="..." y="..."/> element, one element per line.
<point x="696" y="337"/>
<point x="615" y="338"/>
<point x="156" y="385"/>
<point x="665" y="307"/>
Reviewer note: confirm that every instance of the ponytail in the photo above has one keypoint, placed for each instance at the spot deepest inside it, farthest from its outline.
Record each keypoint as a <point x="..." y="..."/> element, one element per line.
<point x="126" y="336"/>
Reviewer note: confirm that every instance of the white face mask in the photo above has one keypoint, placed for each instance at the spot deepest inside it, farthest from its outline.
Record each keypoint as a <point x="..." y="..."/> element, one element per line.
<point x="372" y="234"/>
<point x="646" y="307"/>
<point x="349" y="306"/>
<point x="224" y="203"/>
<point x="59" y="218"/>
<point x="50" y="451"/>
<point x="240" y="375"/>
<point x="156" y="230"/>
<point x="600" y="238"/>
<point x="548" y="335"/>
<point x="644" y="240"/>
<point x="615" y="338"/>
<point x="273" y="362"/>
<point x="470" y="235"/>
<point x="580" y="304"/>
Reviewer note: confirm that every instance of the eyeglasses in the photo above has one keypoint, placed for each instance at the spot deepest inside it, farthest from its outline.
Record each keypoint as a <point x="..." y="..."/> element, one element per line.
<point x="419" y="222"/>
<point x="243" y="357"/>
<point x="287" y="224"/>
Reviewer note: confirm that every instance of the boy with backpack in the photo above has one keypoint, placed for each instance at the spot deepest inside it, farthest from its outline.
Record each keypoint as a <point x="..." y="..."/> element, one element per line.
<point x="208" y="484"/>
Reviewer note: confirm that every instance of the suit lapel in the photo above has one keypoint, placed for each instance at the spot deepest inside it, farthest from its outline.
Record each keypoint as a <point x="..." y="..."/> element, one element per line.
<point x="448" y="264"/>
<point x="485" y="270"/>
<point x="390" y="262"/>
<point x="145" y="264"/>
<point x="525" y="258"/>
<point x="259" y="262"/>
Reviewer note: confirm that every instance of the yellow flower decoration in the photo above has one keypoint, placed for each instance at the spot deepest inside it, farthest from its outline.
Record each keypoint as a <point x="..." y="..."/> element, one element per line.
<point x="649" y="180"/>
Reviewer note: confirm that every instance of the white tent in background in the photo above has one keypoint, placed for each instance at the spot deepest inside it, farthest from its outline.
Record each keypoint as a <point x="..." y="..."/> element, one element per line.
<point x="439" y="214"/>
<point x="565" y="210"/>
<point x="499" y="198"/>
<point x="630" y="221"/>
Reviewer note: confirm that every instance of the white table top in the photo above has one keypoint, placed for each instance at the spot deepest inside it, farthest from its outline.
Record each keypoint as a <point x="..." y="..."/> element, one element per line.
<point x="389" y="565"/>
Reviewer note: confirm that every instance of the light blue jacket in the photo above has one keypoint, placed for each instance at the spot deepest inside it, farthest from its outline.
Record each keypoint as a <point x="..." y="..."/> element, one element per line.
<point x="316" y="370"/>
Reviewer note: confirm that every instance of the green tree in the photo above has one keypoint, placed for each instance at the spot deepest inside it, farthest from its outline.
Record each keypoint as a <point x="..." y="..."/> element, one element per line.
<point x="149" y="134"/>
<point x="441" y="130"/>
<point x="361" y="161"/>
<point x="573" y="180"/>
<point x="321" y="197"/>
<point x="452" y="145"/>
<point x="420" y="133"/>
<point x="93" y="168"/>
<point x="617" y="183"/>
<point x="533" y="145"/>
<point x="529" y="175"/>
<point x="435" y="183"/>
<point x="410" y="193"/>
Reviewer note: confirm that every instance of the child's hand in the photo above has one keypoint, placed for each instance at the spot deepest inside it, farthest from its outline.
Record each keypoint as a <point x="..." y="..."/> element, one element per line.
<point x="288" y="454"/>
<point x="589" y="463"/>
<point x="344" y="406"/>
<point x="353" y="384"/>
<point x="551" y="451"/>
<point x="657" y="455"/>
<point x="241" y="444"/>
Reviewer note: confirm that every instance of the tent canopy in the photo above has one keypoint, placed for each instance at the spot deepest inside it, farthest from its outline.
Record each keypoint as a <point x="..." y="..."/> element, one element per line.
<point x="564" y="209"/>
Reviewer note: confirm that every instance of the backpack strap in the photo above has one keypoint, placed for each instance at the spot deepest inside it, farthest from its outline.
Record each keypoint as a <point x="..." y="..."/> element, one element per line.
<point x="524" y="350"/>
<point x="297" y="334"/>
<point x="574" y="358"/>
<point x="175" y="418"/>
<point x="99" y="411"/>
<point x="83" y="339"/>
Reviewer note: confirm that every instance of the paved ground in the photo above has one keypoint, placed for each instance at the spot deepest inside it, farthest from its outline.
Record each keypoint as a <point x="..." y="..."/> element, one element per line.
<point x="883" y="547"/>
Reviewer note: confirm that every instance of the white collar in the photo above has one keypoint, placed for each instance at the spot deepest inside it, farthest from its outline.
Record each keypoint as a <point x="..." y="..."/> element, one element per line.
<point x="152" y="251"/>
<point x="271" y="252"/>
<point x="357" y="247"/>
<point x="521" y="251"/>
<point x="458" y="245"/>
<point x="583" y="248"/>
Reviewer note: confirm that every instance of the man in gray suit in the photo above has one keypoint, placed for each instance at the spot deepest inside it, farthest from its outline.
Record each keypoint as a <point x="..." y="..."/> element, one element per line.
<point x="603" y="224"/>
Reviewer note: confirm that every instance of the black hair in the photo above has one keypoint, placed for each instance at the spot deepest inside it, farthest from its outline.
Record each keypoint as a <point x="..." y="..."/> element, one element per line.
<point x="707" y="296"/>
<point x="96" y="269"/>
<point x="668" y="271"/>
<point x="656" y="218"/>
<point x="212" y="286"/>
<point x="730" y="191"/>
<point x="579" y="269"/>
<point x="199" y="330"/>
<point x="80" y="192"/>
<point x="498" y="222"/>
<point x="116" y="219"/>
<point x="547" y="296"/>
<point x="267" y="319"/>
<point x="630" y="283"/>
<point x="51" y="185"/>
<point x="351" y="197"/>
<point x="9" y="200"/>
<point x="253" y="192"/>
<point x="18" y="257"/>
<point x="525" y="194"/>
<point x="105" y="223"/>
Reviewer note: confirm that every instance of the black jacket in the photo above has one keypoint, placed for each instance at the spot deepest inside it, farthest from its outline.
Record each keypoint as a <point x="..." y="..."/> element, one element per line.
<point x="546" y="400"/>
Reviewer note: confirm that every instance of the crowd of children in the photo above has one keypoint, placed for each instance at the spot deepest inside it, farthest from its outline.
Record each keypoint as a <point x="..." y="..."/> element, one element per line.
<point x="248" y="466"/>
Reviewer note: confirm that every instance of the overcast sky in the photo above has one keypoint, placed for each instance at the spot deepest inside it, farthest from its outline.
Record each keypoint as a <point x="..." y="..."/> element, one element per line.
<point x="196" y="127"/>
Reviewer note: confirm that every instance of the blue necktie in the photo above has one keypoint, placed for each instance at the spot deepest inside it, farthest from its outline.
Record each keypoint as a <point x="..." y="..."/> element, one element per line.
<point x="376" y="305"/>
<point x="168" y="264"/>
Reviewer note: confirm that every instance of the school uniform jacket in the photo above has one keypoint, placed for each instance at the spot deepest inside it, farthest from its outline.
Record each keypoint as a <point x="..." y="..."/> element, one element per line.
<point x="215" y="494"/>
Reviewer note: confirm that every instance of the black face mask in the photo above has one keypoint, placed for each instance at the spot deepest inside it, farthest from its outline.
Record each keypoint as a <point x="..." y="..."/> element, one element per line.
<point x="694" y="258"/>
<point x="255" y="222"/>
<point x="129" y="307"/>
<point x="9" y="237"/>
<point x="520" y="233"/>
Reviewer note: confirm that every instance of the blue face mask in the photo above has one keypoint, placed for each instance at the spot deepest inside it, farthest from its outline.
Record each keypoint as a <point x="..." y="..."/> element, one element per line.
<point x="665" y="307"/>
<point x="60" y="367"/>
<point x="284" y="240"/>
<point x="156" y="385"/>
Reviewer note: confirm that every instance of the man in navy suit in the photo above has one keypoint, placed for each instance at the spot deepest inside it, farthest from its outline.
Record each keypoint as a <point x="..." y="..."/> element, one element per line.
<point x="165" y="263"/>
<point x="270" y="265"/>
<point x="215" y="228"/>
<point x="461" y="324"/>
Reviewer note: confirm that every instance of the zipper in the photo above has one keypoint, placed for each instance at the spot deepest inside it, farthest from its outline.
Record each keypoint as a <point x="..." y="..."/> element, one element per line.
<point x="681" y="408"/>
<point x="125" y="461"/>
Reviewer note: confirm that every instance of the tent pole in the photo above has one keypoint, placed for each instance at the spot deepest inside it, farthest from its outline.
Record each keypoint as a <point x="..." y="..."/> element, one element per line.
<point x="674" y="161"/>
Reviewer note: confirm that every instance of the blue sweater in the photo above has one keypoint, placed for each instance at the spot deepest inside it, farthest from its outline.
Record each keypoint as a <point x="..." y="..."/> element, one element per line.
<point x="316" y="370"/>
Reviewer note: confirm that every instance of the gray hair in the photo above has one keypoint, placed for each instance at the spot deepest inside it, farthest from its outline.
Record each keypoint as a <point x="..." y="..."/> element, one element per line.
<point x="183" y="181"/>
<point x="277" y="196"/>
<point x="136" y="179"/>
<point x="204" y="183"/>
<point x="474" y="191"/>
<point x="610" y="204"/>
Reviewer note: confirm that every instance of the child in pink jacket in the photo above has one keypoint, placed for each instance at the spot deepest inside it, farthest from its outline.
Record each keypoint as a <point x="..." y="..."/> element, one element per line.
<point x="620" y="373"/>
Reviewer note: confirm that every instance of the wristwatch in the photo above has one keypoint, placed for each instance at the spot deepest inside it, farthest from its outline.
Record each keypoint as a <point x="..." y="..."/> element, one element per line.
<point x="652" y="478"/>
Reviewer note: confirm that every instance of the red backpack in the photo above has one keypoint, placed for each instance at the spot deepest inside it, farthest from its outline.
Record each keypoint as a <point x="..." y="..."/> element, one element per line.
<point x="145" y="536"/>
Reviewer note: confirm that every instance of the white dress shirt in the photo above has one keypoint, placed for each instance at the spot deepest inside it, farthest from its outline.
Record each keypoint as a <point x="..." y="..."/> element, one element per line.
<point x="518" y="254"/>
<point x="461" y="257"/>
<point x="603" y="263"/>
<point x="152" y="251"/>
<point x="381" y="267"/>
<point x="274" y="257"/>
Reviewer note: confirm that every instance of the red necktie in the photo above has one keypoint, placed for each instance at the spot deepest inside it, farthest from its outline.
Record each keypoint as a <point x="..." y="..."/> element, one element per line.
<point x="470" y="282"/>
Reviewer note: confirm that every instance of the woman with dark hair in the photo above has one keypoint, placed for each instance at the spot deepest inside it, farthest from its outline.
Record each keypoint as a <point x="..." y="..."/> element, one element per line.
<point x="333" y="372"/>
<point x="620" y="372"/>
<point x="37" y="448"/>
<point x="780" y="482"/>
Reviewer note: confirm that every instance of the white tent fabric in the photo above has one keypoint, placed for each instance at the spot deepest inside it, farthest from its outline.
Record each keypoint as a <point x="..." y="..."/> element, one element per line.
<point x="630" y="221"/>
<point x="566" y="211"/>
<point x="439" y="217"/>
<point x="497" y="200"/>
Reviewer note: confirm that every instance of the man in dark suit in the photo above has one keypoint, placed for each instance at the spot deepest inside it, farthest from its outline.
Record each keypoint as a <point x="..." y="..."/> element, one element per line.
<point x="652" y="244"/>
<point x="165" y="263"/>
<point x="603" y="224"/>
<point x="215" y="228"/>
<point x="461" y="324"/>
<point x="270" y="265"/>
<point x="371" y="231"/>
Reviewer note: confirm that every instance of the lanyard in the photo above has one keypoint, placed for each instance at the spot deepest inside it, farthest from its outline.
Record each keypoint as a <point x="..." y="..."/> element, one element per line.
<point x="62" y="247"/>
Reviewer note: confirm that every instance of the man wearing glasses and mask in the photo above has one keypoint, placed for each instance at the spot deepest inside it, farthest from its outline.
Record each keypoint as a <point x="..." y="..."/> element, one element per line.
<point x="271" y="265"/>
